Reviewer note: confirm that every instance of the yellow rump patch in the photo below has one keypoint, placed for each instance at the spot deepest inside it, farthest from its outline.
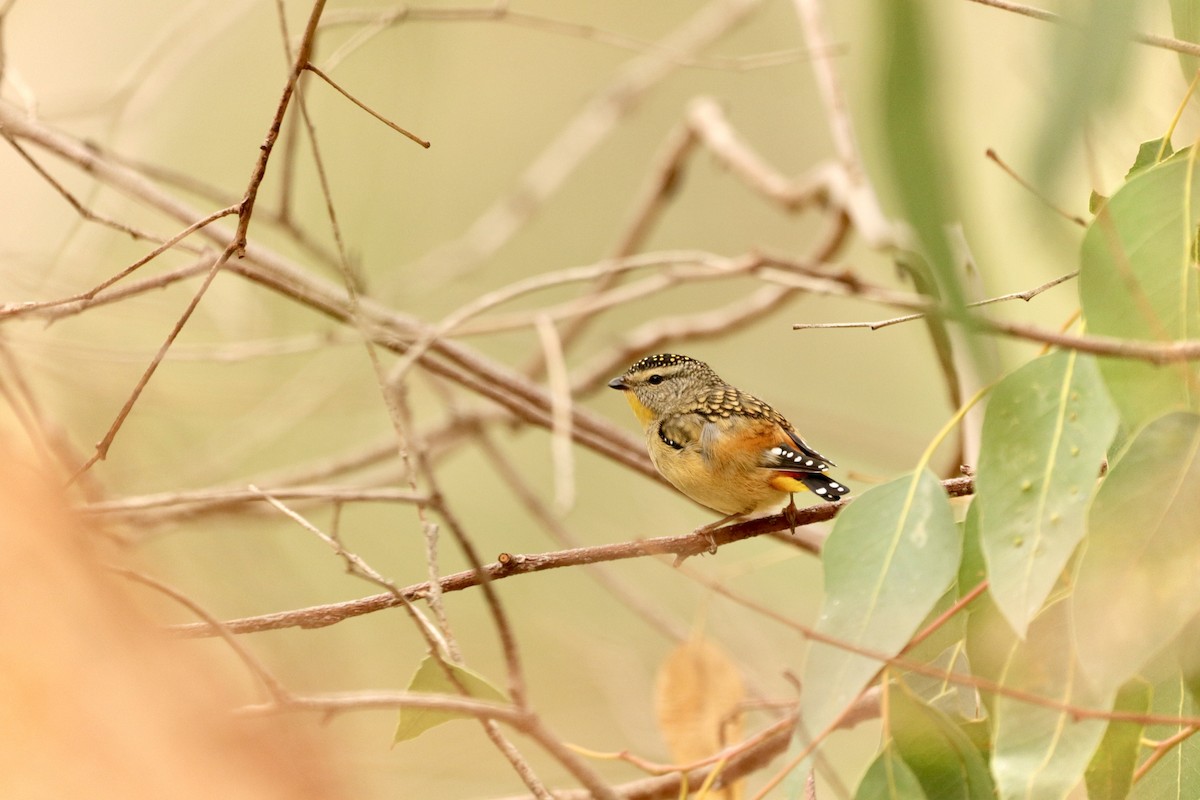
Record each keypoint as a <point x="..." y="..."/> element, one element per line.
<point x="784" y="483"/>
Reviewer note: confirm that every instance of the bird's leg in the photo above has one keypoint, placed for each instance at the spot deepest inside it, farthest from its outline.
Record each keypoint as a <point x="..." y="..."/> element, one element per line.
<point x="790" y="511"/>
<point x="707" y="530"/>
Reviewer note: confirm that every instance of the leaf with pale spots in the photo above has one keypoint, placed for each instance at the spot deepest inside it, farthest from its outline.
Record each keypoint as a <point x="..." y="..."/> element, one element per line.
<point x="1047" y="428"/>
<point x="889" y="558"/>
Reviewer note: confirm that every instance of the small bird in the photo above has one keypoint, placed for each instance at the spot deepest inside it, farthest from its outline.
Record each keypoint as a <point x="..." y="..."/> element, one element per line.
<point x="725" y="449"/>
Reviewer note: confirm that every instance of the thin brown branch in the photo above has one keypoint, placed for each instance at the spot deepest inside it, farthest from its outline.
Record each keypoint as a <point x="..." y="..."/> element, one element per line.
<point x="719" y="321"/>
<point x="390" y="328"/>
<point x="858" y="196"/>
<point x="340" y="703"/>
<point x="238" y="245"/>
<point x="102" y="447"/>
<point x="316" y="71"/>
<point x="85" y="299"/>
<point x="210" y="500"/>
<point x="1153" y="352"/>
<point x="303" y="54"/>
<point x="1163" y="748"/>
<point x="645" y="608"/>
<point x="505" y="15"/>
<point x="69" y="306"/>
<point x="276" y="690"/>
<point x="82" y="210"/>
<point x="1026" y="295"/>
<point x="1029" y="187"/>
<point x="509" y="565"/>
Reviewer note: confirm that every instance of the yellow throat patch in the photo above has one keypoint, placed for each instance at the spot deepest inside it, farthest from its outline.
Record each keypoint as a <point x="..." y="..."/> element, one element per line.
<point x="644" y="415"/>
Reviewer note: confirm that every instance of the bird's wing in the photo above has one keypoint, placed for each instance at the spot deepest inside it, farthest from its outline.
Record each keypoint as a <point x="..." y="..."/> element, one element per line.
<point x="789" y="453"/>
<point x="797" y="465"/>
<point x="681" y="430"/>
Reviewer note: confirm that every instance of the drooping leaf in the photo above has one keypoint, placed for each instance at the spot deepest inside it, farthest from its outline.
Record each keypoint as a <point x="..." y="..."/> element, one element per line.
<point x="945" y="761"/>
<point x="889" y="778"/>
<point x="916" y="156"/>
<point x="1040" y="752"/>
<point x="1110" y="775"/>
<point x="431" y="678"/>
<point x="1185" y="22"/>
<point x="697" y="695"/>
<point x="1137" y="580"/>
<point x="890" y="556"/>
<point x="1138" y="281"/>
<point x="1047" y="429"/>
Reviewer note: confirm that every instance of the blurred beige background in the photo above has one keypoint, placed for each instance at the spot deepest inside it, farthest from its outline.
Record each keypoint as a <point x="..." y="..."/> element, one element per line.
<point x="192" y="86"/>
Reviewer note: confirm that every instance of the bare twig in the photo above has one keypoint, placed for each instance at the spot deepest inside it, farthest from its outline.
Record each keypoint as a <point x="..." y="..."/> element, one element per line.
<point x="378" y="20"/>
<point x="82" y="210"/>
<point x="1025" y="295"/>
<point x="69" y="306"/>
<point x="742" y="311"/>
<point x="316" y="71"/>
<point x="859" y="198"/>
<point x="1153" y="40"/>
<point x="303" y="54"/>
<point x="645" y="608"/>
<point x="341" y="703"/>
<point x="208" y="500"/>
<point x="560" y="398"/>
<point x="993" y="156"/>
<point x="1162" y="748"/>
<point x="509" y="565"/>
<point x="274" y="688"/>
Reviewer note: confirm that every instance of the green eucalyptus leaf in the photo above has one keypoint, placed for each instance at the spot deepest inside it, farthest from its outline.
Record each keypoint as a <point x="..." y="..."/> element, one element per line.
<point x="889" y="558"/>
<point x="940" y="754"/>
<point x="889" y="778"/>
<point x="1110" y="775"/>
<point x="1041" y="752"/>
<point x="1047" y="429"/>
<point x="1176" y="774"/>
<point x="1137" y="586"/>
<point x="431" y="677"/>
<point x="1138" y="280"/>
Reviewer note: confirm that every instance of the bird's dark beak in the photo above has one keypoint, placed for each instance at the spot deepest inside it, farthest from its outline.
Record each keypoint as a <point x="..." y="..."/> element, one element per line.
<point x="617" y="383"/>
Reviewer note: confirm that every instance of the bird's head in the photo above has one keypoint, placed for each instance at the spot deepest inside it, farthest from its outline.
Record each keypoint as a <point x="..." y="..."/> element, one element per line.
<point x="661" y="383"/>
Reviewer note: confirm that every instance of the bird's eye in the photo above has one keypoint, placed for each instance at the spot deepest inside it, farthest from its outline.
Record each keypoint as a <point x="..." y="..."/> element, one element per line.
<point x="655" y="379"/>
